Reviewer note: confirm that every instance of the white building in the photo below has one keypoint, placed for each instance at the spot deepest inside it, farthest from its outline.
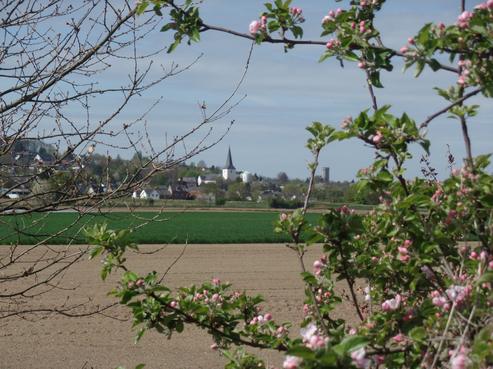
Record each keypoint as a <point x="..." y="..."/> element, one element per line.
<point x="246" y="177"/>
<point x="229" y="170"/>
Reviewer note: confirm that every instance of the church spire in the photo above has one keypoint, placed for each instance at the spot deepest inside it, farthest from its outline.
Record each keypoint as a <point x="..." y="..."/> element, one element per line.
<point x="229" y="161"/>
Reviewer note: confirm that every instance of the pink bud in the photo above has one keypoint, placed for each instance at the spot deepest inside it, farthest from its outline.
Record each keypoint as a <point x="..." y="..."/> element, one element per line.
<point x="473" y="255"/>
<point x="268" y="316"/>
<point x="411" y="40"/>
<point x="362" y="65"/>
<point x="173" y="304"/>
<point x="377" y="138"/>
<point x="490" y="264"/>
<point x="404" y="49"/>
<point x="214" y="347"/>
<point x="254" y="27"/>
<point x="216" y="281"/>
<point x="332" y="13"/>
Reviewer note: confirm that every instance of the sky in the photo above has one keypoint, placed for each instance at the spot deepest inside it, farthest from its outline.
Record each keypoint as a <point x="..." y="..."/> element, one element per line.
<point x="284" y="92"/>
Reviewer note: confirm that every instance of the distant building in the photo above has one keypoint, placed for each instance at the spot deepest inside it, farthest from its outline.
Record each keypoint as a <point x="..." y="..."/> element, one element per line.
<point x="326" y="174"/>
<point x="207" y="178"/>
<point x="246" y="177"/>
<point x="229" y="170"/>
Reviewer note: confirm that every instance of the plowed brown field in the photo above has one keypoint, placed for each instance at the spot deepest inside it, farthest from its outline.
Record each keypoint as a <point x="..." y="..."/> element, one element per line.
<point x="56" y="342"/>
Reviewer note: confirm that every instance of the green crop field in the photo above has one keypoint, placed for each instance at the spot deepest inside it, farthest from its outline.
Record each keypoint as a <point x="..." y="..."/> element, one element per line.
<point x="174" y="227"/>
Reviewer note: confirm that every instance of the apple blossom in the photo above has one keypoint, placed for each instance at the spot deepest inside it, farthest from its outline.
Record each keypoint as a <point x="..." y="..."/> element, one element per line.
<point x="254" y="27"/>
<point x="392" y="304"/>
<point x="359" y="359"/>
<point x="291" y="362"/>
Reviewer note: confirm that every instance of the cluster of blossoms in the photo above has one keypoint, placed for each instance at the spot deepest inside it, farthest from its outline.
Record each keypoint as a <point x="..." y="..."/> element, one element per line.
<point x="291" y="362"/>
<point x="319" y="265"/>
<point x="258" y="25"/>
<point x="487" y="5"/>
<point x="297" y="14"/>
<point x="464" y="19"/>
<point x="322" y="295"/>
<point x="333" y="43"/>
<point x="359" y="359"/>
<point x="139" y="283"/>
<point x="261" y="319"/>
<point x="459" y="360"/>
<point x="403" y="251"/>
<point x="331" y="17"/>
<point x="392" y="304"/>
<point x="464" y="66"/>
<point x="312" y="337"/>
<point x="405" y="48"/>
<point x="455" y="294"/>
<point x="377" y="138"/>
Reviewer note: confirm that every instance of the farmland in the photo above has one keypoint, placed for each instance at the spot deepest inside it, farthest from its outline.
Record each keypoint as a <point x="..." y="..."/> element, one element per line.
<point x="147" y="227"/>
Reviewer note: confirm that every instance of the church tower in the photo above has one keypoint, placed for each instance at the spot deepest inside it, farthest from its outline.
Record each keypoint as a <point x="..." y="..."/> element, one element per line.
<point x="229" y="170"/>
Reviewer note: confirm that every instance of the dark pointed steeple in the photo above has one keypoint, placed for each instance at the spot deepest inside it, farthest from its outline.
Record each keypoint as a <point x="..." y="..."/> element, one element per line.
<point x="229" y="161"/>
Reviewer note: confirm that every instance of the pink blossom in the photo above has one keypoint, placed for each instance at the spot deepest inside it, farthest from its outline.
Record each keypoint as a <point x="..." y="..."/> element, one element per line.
<point x="330" y="44"/>
<point x="254" y="27"/>
<point x="327" y="19"/>
<point x="291" y="362"/>
<point x="139" y="283"/>
<point x="404" y="49"/>
<point x="379" y="359"/>
<point x="490" y="264"/>
<point x="317" y="342"/>
<point x="346" y="122"/>
<point x="332" y="13"/>
<point x="489" y="3"/>
<point x="359" y="359"/>
<point x="214" y="347"/>
<point x="377" y="138"/>
<point x="411" y="40"/>
<point x="306" y="309"/>
<point x="459" y="361"/>
<point x="338" y="12"/>
<point x="392" y="304"/>
<point x="281" y="332"/>
<point x="463" y="19"/>
<point x="268" y="316"/>
<point x="283" y="217"/>
<point x="296" y="11"/>
<point x="399" y="338"/>
<point x="473" y="255"/>
<point x="216" y="281"/>
<point x="173" y="304"/>
<point x="482" y="6"/>
<point x="458" y="294"/>
<point x="216" y="298"/>
<point x="308" y="331"/>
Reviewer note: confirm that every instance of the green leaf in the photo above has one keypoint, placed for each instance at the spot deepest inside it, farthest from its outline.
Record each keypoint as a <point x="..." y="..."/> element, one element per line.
<point x="418" y="334"/>
<point x="350" y="343"/>
<point x="375" y="79"/>
<point x="486" y="277"/>
<point x="302" y="351"/>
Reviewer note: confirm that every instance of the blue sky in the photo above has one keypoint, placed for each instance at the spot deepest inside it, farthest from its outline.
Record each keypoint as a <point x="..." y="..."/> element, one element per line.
<point x="285" y="92"/>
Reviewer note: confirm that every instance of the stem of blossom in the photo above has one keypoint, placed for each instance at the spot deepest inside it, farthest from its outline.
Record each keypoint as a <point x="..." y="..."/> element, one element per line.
<point x="313" y="171"/>
<point x="372" y="92"/>
<point x="350" y="282"/>
<point x="440" y="345"/>
<point x="448" y="107"/>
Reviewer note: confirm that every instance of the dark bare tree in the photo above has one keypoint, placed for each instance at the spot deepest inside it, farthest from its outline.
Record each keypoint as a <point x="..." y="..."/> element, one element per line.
<point x="55" y="60"/>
